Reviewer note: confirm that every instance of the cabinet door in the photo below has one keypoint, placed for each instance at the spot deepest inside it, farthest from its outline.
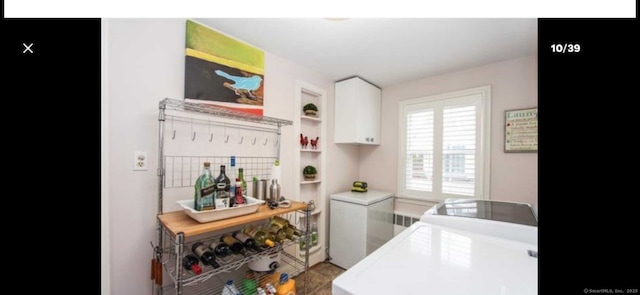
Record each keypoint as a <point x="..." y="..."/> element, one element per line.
<point x="369" y="116"/>
<point x="346" y="110"/>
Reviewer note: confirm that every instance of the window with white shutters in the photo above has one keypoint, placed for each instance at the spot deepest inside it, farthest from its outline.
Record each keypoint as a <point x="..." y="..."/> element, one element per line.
<point x="444" y="145"/>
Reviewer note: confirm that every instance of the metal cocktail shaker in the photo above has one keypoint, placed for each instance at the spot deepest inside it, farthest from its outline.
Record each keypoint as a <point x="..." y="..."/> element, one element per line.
<point x="274" y="191"/>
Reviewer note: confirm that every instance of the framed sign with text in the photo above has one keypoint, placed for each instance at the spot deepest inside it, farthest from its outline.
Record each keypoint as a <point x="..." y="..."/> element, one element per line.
<point x="521" y="131"/>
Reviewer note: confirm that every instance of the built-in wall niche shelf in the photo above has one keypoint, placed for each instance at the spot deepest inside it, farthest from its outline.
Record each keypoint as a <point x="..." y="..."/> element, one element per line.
<point x="309" y="151"/>
<point x="308" y="118"/>
<point x="312" y="250"/>
<point x="310" y="181"/>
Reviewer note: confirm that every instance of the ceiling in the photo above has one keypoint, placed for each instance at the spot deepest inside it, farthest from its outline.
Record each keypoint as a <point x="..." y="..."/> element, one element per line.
<point x="385" y="51"/>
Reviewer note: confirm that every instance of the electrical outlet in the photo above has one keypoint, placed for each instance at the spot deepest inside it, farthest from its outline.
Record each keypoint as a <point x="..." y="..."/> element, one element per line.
<point x="139" y="161"/>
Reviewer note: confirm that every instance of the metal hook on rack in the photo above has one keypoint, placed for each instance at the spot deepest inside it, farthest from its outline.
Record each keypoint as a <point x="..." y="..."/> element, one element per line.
<point x="226" y="140"/>
<point x="254" y="141"/>
<point x="276" y="142"/>
<point x="210" y="137"/>
<point x="265" y="141"/>
<point x="241" y="139"/>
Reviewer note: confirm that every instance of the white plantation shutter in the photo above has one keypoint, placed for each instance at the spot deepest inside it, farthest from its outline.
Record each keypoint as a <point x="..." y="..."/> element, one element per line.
<point x="459" y="150"/>
<point x="419" y="160"/>
<point x="444" y="144"/>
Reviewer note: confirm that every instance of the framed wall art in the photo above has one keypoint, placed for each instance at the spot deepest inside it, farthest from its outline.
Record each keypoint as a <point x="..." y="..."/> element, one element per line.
<point x="521" y="131"/>
<point x="223" y="71"/>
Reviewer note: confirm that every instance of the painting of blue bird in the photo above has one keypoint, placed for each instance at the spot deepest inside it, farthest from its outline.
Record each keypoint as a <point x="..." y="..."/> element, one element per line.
<point x="241" y="85"/>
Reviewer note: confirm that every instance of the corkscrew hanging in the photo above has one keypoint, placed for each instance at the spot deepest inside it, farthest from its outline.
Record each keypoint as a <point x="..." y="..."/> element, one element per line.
<point x="211" y="133"/>
<point x="173" y="129"/>
<point x="193" y="136"/>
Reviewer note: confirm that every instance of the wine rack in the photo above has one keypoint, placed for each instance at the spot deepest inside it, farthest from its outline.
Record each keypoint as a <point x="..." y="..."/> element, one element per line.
<point x="192" y="133"/>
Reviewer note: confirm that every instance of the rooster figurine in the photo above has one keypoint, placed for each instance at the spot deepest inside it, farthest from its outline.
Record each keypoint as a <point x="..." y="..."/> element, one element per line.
<point x="303" y="141"/>
<point x="314" y="143"/>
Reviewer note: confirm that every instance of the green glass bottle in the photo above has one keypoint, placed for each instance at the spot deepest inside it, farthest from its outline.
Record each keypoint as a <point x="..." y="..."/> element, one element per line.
<point x="203" y="198"/>
<point x="244" y="183"/>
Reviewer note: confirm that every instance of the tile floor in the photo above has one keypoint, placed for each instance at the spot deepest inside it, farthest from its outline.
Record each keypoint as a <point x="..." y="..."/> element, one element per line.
<point x="320" y="277"/>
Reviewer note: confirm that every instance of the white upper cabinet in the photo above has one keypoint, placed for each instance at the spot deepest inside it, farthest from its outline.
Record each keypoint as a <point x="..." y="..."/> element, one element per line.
<point x="357" y="112"/>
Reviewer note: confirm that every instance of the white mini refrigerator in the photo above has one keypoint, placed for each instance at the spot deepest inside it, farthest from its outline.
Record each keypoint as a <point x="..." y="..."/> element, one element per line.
<point x="359" y="224"/>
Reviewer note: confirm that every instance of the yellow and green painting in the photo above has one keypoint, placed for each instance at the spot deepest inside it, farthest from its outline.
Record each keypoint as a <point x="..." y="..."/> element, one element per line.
<point x="223" y="71"/>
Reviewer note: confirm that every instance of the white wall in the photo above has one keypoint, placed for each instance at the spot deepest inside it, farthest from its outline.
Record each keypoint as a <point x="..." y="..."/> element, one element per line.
<point x="514" y="84"/>
<point x="146" y="64"/>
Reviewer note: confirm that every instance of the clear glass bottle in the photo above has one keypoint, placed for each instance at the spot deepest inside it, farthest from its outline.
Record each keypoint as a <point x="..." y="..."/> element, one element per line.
<point x="314" y="234"/>
<point x="223" y="188"/>
<point x="303" y="240"/>
<point x="204" y="197"/>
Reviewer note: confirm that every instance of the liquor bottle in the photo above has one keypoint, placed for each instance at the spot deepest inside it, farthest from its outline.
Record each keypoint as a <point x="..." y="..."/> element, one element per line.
<point x="232" y="176"/>
<point x="206" y="256"/>
<point x="233" y="243"/>
<point x="220" y="249"/>
<point x="190" y="262"/>
<point x="238" y="199"/>
<point x="223" y="187"/>
<point x="203" y="198"/>
<point x="295" y="230"/>
<point x="314" y="234"/>
<point x="261" y="291"/>
<point x="243" y="183"/>
<point x="247" y="241"/>
<point x="259" y="236"/>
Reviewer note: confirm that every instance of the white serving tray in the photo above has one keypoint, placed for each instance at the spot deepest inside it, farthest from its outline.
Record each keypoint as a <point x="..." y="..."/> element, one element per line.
<point x="223" y="213"/>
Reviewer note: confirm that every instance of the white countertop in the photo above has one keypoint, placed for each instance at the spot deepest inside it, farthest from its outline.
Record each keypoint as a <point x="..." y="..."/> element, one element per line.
<point x="431" y="259"/>
<point x="370" y="197"/>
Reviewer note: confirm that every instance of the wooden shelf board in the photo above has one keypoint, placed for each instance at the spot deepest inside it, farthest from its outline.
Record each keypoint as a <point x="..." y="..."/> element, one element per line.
<point x="310" y="151"/>
<point x="311" y="118"/>
<point x="310" y="181"/>
<point x="179" y="222"/>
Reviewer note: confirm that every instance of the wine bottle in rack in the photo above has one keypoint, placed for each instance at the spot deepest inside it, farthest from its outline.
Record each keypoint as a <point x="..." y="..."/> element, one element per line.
<point x="233" y="243"/>
<point x="280" y="233"/>
<point x="247" y="241"/>
<point x="220" y="249"/>
<point x="206" y="256"/>
<point x="281" y="222"/>
<point x="190" y="262"/>
<point x="270" y="234"/>
<point x="259" y="236"/>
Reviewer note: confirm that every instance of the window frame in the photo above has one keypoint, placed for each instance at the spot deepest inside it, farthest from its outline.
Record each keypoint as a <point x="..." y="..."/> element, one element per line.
<point x="482" y="184"/>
